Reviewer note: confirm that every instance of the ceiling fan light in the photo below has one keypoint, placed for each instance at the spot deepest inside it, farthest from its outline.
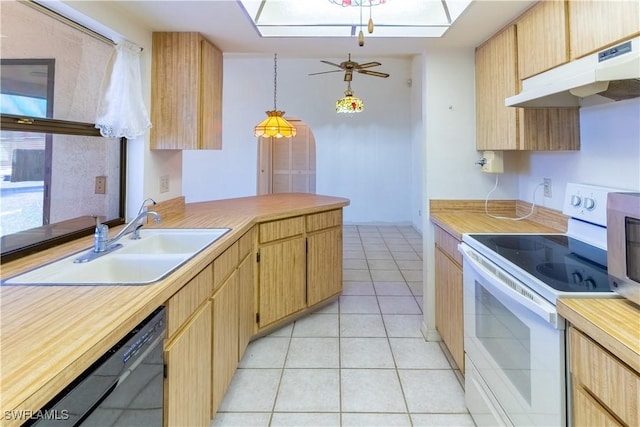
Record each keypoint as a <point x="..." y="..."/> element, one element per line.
<point x="274" y="126"/>
<point x="349" y="103"/>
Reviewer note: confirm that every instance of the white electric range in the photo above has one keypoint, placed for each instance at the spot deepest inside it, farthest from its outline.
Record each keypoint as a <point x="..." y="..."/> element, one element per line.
<point x="515" y="343"/>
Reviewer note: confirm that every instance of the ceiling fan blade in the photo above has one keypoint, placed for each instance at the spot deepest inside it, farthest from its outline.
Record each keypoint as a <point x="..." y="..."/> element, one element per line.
<point x="369" y="65"/>
<point x="325" y="72"/>
<point x="331" y="63"/>
<point x="373" y="73"/>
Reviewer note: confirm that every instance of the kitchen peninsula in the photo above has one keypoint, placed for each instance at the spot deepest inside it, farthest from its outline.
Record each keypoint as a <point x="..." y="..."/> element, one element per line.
<point x="51" y="334"/>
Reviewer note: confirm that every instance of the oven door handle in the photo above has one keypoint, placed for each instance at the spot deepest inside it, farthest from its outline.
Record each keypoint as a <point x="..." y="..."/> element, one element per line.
<point x="508" y="287"/>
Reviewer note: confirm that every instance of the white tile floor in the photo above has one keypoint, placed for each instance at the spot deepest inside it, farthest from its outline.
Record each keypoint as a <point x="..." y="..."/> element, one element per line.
<point x="361" y="361"/>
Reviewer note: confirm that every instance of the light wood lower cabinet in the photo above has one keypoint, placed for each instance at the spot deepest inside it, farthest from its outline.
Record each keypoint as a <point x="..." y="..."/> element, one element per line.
<point x="187" y="385"/>
<point x="211" y="320"/>
<point x="225" y="338"/>
<point x="300" y="264"/>
<point x="282" y="273"/>
<point x="448" y="287"/>
<point x="606" y="391"/>
<point x="247" y="324"/>
<point x="324" y="265"/>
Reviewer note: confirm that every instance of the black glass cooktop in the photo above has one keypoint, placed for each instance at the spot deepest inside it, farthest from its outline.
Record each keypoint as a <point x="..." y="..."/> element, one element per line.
<point x="562" y="262"/>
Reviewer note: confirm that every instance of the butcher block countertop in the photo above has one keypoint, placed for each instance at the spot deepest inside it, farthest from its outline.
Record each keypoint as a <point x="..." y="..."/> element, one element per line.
<point x="51" y="334"/>
<point x="468" y="216"/>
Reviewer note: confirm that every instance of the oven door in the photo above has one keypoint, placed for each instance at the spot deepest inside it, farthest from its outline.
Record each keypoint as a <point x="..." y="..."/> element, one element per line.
<point x="515" y="342"/>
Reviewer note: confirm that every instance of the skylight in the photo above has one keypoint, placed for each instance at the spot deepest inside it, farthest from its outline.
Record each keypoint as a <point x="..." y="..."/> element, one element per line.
<point x="329" y="18"/>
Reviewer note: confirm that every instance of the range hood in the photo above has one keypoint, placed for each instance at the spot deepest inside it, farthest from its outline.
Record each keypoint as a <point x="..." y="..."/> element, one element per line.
<point x="613" y="73"/>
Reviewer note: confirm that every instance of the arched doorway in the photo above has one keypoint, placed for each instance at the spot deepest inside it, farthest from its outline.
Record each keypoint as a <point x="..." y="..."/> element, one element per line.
<point x="288" y="165"/>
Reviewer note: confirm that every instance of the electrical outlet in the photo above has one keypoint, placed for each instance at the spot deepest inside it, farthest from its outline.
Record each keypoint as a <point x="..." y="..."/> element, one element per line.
<point x="101" y="185"/>
<point x="547" y="187"/>
<point x="164" y="183"/>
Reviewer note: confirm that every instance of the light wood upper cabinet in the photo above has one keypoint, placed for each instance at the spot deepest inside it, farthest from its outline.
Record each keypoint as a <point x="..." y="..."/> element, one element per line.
<point x="595" y="25"/>
<point x="186" y="92"/>
<point x="543" y="41"/>
<point x="496" y="79"/>
<point x="508" y="128"/>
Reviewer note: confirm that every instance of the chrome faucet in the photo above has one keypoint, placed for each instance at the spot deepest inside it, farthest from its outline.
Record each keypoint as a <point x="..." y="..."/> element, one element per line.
<point x="102" y="245"/>
<point x="134" y="226"/>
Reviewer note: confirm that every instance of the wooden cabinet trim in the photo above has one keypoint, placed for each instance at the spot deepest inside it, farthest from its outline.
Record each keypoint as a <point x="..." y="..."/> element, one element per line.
<point x="448" y="244"/>
<point x="224" y="265"/>
<point x="281" y="229"/>
<point x="324" y="220"/>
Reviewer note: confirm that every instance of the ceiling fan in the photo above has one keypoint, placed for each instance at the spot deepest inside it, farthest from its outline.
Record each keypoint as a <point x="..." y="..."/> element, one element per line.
<point x="350" y="66"/>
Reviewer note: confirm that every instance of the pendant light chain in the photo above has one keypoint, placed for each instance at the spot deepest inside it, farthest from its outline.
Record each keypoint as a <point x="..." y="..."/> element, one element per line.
<point x="275" y="79"/>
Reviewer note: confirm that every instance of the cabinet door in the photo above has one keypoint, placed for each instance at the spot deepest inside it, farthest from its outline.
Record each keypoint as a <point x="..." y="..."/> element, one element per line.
<point x="225" y="338"/>
<point x="187" y="386"/>
<point x="594" y="25"/>
<point x="211" y="97"/>
<point x="186" y="92"/>
<point x="246" y="303"/>
<point x="496" y="79"/>
<point x="324" y="265"/>
<point x="508" y="128"/>
<point x="175" y="90"/>
<point x="449" y="314"/>
<point x="588" y="412"/>
<point x="543" y="42"/>
<point x="282" y="272"/>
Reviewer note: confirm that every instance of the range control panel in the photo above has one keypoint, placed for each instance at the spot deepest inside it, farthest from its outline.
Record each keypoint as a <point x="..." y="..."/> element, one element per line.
<point x="587" y="202"/>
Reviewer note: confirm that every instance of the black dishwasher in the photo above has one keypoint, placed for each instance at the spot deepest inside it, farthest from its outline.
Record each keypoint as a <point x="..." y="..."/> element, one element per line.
<point x="123" y="388"/>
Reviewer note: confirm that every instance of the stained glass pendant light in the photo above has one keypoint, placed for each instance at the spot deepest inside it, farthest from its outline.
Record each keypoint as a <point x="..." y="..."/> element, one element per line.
<point x="349" y="104"/>
<point x="274" y="125"/>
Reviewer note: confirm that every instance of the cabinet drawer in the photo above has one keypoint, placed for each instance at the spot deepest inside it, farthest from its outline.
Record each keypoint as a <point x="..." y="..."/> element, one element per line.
<point x="612" y="382"/>
<point x="224" y="265"/>
<point x="448" y="244"/>
<point x="281" y="229"/>
<point x="187" y="300"/>
<point x="588" y="412"/>
<point x="246" y="243"/>
<point x="323" y="220"/>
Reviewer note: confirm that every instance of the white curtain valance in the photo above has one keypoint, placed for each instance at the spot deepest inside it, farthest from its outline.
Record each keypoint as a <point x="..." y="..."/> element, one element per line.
<point x="121" y="110"/>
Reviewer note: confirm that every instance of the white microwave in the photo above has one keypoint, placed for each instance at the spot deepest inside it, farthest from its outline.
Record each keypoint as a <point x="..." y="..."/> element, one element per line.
<point x="623" y="244"/>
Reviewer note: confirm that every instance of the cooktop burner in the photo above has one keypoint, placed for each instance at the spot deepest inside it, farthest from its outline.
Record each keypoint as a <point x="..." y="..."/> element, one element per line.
<point x="561" y="262"/>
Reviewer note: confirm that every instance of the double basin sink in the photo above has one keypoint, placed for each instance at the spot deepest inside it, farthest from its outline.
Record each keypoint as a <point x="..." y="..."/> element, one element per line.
<point x="157" y="253"/>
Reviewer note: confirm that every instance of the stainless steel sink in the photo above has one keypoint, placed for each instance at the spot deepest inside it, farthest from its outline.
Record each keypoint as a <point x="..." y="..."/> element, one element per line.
<point x="139" y="262"/>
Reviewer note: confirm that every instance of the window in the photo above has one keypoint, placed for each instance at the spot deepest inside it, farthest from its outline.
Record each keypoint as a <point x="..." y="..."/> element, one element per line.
<point x="51" y="155"/>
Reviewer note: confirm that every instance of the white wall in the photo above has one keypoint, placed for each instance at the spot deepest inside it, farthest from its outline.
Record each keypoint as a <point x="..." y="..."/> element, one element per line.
<point x="609" y="155"/>
<point x="365" y="157"/>
<point x="450" y="171"/>
<point x="144" y="167"/>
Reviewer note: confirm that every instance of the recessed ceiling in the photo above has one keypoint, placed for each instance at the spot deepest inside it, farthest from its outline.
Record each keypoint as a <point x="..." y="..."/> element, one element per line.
<point x="345" y="18"/>
<point x="228" y="25"/>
